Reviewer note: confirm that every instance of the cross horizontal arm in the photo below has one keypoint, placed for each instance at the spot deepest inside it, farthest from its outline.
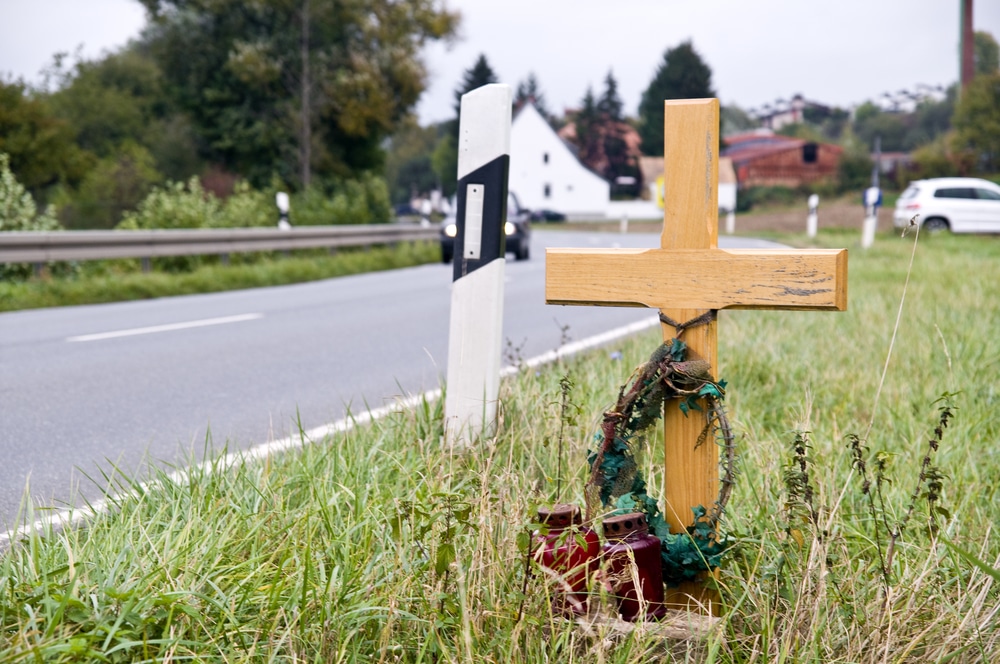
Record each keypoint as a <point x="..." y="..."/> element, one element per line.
<point x="698" y="278"/>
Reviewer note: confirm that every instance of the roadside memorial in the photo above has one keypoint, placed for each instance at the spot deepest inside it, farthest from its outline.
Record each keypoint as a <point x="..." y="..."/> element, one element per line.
<point x="475" y="328"/>
<point x="688" y="278"/>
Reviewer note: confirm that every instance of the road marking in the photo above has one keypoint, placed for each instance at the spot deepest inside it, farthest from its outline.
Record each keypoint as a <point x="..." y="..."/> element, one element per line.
<point x="76" y="516"/>
<point x="205" y="322"/>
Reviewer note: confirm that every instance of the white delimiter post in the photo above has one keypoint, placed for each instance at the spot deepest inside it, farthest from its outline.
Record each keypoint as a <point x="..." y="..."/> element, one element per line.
<point x="812" y="220"/>
<point x="474" y="341"/>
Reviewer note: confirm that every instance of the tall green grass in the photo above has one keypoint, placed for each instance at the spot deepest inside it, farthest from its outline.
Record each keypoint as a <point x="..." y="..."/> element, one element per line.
<point x="122" y="281"/>
<point x="377" y="545"/>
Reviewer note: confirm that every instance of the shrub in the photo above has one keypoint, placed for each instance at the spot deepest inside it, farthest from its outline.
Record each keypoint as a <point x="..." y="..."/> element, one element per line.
<point x="362" y="201"/>
<point x="18" y="212"/>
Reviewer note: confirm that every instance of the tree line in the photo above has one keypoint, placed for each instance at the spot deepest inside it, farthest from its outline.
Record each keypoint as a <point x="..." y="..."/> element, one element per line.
<point x="318" y="99"/>
<point x="281" y="94"/>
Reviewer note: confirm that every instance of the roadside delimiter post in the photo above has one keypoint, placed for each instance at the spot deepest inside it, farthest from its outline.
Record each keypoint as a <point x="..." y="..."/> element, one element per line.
<point x="475" y="330"/>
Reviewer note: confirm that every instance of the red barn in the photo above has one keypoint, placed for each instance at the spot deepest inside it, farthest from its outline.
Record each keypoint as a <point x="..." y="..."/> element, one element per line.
<point x="767" y="159"/>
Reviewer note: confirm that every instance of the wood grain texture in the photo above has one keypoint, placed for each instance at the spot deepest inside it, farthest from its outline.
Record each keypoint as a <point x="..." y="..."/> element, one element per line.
<point x="698" y="279"/>
<point x="690" y="223"/>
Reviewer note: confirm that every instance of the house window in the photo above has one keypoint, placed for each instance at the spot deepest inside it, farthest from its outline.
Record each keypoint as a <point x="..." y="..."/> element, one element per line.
<point x="545" y="157"/>
<point x="548" y="191"/>
<point x="809" y="153"/>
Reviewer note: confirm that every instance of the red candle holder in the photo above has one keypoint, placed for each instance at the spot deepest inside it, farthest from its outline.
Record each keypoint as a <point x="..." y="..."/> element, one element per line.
<point x="633" y="567"/>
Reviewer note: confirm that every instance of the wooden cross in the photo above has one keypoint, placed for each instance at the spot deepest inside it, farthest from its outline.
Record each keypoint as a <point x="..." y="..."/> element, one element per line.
<point x="686" y="277"/>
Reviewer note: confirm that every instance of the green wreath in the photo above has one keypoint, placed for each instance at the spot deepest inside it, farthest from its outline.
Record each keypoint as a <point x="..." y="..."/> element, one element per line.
<point x="615" y="480"/>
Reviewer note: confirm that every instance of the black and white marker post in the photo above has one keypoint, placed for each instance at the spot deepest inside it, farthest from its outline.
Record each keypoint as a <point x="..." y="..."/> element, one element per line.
<point x="475" y="331"/>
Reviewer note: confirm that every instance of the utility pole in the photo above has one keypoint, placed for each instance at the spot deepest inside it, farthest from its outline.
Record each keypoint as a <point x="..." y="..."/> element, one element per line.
<point x="967" y="41"/>
<point x="305" y="150"/>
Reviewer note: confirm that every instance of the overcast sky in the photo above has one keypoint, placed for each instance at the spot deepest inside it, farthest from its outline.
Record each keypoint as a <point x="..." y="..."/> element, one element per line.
<point x="839" y="53"/>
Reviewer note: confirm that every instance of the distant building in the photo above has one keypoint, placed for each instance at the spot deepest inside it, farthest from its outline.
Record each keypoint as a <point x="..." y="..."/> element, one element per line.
<point x="545" y="173"/>
<point x="907" y="101"/>
<point x="782" y="113"/>
<point x="763" y="158"/>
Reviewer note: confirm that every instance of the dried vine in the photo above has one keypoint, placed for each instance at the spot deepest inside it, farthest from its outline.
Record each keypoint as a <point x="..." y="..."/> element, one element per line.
<point x="615" y="480"/>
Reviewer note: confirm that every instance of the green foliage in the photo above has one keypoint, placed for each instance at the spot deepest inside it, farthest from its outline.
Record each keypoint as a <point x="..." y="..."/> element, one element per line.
<point x="614" y="465"/>
<point x="986" y="53"/>
<point x="682" y="75"/>
<point x="933" y="160"/>
<point x="408" y="165"/>
<point x="444" y="161"/>
<point x="175" y="205"/>
<point x="115" y="185"/>
<point x="18" y="212"/>
<point x="253" y="77"/>
<point x="476" y="76"/>
<point x="854" y="172"/>
<point x="734" y="120"/>
<point x="113" y="101"/>
<point x="355" y="201"/>
<point x="977" y="122"/>
<point x="118" y="281"/>
<point x="530" y="90"/>
<point x="296" y="558"/>
<point x="753" y="197"/>
<point x="39" y="145"/>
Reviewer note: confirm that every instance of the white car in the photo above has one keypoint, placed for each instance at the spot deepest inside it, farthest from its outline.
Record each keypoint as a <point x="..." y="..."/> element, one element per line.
<point x="961" y="205"/>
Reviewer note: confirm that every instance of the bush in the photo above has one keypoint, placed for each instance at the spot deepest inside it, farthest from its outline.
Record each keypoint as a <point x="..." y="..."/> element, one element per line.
<point x="756" y="196"/>
<point x="363" y="201"/>
<point x="116" y="184"/>
<point x="18" y="212"/>
<point x="855" y="170"/>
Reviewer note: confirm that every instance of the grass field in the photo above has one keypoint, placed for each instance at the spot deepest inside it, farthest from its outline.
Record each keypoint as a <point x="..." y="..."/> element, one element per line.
<point x="377" y="545"/>
<point x="117" y="281"/>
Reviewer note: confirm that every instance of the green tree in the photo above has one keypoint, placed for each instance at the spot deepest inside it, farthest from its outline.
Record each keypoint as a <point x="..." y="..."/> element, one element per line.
<point x="114" y="185"/>
<point x="977" y="121"/>
<point x="18" y="212"/>
<point x="986" y="53"/>
<point x="871" y="122"/>
<point x="588" y="137"/>
<point x="530" y="90"/>
<point x="110" y="101"/>
<point x="681" y="75"/>
<point x="477" y="76"/>
<point x="39" y="145"/>
<point x="408" y="167"/>
<point x="620" y="163"/>
<point x="293" y="87"/>
<point x="445" y="157"/>
<point x="734" y="120"/>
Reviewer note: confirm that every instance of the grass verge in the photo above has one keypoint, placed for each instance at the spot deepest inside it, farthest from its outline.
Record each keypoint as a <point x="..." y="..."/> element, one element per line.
<point x="376" y="545"/>
<point x="115" y="284"/>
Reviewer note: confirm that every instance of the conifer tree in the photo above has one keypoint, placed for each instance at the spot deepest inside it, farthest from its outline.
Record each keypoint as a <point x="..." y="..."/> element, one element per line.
<point x="681" y="75"/>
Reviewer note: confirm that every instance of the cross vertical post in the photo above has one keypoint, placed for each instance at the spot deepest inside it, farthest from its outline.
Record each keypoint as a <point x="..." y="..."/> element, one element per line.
<point x="689" y="276"/>
<point x="690" y="221"/>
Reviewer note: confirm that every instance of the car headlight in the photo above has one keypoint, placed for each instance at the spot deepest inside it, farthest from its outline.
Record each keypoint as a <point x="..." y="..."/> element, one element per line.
<point x="509" y="228"/>
<point x="451" y="230"/>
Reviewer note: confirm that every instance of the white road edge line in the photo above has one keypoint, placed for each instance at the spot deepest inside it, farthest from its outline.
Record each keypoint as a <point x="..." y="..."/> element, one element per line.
<point x="76" y="516"/>
<point x="165" y="328"/>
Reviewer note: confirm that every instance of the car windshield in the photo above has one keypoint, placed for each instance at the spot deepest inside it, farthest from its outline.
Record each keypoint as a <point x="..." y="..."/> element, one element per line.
<point x="987" y="194"/>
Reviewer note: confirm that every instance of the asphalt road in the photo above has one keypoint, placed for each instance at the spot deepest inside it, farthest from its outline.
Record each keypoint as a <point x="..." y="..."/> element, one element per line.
<point x="85" y="390"/>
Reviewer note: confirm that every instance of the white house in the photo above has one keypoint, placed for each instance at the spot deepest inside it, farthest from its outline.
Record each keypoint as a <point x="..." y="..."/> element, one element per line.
<point x="545" y="174"/>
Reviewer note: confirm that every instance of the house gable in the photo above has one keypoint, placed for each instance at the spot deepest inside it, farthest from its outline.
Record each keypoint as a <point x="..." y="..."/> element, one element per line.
<point x="545" y="174"/>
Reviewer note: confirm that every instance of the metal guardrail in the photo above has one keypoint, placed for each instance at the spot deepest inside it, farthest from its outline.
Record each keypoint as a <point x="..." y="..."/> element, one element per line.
<point x="44" y="247"/>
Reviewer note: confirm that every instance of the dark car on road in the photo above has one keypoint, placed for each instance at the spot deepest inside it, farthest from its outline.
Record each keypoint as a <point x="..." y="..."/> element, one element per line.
<point x="547" y="215"/>
<point x="517" y="229"/>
